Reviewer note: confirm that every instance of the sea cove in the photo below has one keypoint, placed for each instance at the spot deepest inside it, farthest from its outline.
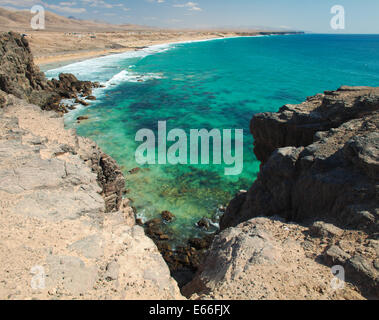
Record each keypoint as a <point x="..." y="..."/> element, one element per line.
<point x="215" y="84"/>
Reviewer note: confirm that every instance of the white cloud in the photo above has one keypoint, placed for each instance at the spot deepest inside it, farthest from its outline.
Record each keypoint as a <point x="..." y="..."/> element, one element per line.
<point x="191" y="6"/>
<point x="64" y="8"/>
<point x="70" y="4"/>
<point x="20" y="3"/>
<point x="102" y="3"/>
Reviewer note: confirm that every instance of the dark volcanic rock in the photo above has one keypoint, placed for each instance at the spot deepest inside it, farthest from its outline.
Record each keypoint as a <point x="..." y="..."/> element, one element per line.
<point x="82" y="102"/>
<point x="134" y="170"/>
<point x="167" y="216"/>
<point x="328" y="175"/>
<point x="362" y="272"/>
<point x="111" y="180"/>
<point x="203" y="223"/>
<point x="296" y="125"/>
<point x="68" y="86"/>
<point x="321" y="163"/>
<point x="82" y="118"/>
<point x="201" y="243"/>
<point x="18" y="73"/>
<point x="20" y="77"/>
<point x="109" y="174"/>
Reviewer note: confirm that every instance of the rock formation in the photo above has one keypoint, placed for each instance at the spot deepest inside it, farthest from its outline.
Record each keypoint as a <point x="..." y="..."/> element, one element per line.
<point x="296" y="125"/>
<point x="20" y="77"/>
<point x="320" y="162"/>
<point x="333" y="175"/>
<point x="65" y="231"/>
<point x="266" y="259"/>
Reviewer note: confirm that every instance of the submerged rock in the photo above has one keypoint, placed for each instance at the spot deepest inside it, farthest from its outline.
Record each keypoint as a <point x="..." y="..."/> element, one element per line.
<point x="134" y="170"/>
<point x="82" y="118"/>
<point x="82" y="102"/>
<point x="167" y="216"/>
<point x="200" y="243"/>
<point x="203" y="223"/>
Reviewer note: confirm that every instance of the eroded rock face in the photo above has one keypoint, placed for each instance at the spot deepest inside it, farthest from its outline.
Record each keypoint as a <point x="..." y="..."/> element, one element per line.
<point x="296" y="125"/>
<point x="320" y="163"/>
<point x="20" y="77"/>
<point x="334" y="178"/>
<point x="18" y="73"/>
<point x="62" y="217"/>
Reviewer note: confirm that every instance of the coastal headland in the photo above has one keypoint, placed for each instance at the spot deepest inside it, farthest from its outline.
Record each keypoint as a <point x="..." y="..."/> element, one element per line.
<point x="67" y="231"/>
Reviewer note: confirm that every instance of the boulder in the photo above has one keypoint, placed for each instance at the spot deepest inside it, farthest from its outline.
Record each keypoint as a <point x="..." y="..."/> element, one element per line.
<point x="323" y="229"/>
<point x="335" y="256"/>
<point x="167" y="216"/>
<point x="82" y="118"/>
<point x="203" y="223"/>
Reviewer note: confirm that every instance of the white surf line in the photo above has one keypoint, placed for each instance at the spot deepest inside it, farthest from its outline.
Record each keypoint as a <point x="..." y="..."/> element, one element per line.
<point x="136" y="53"/>
<point x="140" y="53"/>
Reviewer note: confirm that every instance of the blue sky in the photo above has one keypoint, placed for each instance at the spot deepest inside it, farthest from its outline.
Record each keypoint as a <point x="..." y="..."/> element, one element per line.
<point x="309" y="15"/>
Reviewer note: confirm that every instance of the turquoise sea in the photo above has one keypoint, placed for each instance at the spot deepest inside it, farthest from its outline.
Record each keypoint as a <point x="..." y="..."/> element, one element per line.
<point x="210" y="84"/>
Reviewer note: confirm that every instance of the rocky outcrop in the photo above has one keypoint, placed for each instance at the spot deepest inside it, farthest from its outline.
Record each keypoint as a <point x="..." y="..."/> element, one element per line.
<point x="68" y="86"/>
<point x="334" y="178"/>
<point x="65" y="231"/>
<point x="109" y="175"/>
<point x="320" y="162"/>
<point x="267" y="259"/>
<point x="20" y="77"/>
<point x="296" y="125"/>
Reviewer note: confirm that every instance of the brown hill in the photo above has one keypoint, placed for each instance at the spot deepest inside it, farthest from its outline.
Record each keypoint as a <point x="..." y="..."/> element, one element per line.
<point x="20" y="21"/>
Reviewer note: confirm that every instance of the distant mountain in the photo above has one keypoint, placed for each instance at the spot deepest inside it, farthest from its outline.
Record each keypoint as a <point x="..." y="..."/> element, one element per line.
<point x="20" y="21"/>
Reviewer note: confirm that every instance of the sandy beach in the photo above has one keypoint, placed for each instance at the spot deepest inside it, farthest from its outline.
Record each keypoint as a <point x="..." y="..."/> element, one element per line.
<point x="67" y="40"/>
<point x="56" y="49"/>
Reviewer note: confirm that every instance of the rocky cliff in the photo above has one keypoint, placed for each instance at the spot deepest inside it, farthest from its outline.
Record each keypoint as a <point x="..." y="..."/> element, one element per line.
<point x="322" y="162"/>
<point x="320" y="168"/>
<point x="65" y="231"/>
<point x="20" y="77"/>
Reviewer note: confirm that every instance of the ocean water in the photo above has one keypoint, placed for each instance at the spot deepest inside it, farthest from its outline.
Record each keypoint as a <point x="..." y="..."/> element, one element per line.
<point x="217" y="84"/>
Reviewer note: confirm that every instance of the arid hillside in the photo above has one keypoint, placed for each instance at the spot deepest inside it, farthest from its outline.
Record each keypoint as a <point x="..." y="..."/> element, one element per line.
<point x="20" y="21"/>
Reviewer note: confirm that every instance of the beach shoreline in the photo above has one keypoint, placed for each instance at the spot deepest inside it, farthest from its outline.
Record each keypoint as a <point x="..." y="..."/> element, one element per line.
<point x="58" y="60"/>
<point x="62" y="59"/>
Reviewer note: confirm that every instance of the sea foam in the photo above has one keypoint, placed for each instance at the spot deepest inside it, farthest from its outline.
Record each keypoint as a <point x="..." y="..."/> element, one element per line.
<point x="105" y="68"/>
<point x="130" y="76"/>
